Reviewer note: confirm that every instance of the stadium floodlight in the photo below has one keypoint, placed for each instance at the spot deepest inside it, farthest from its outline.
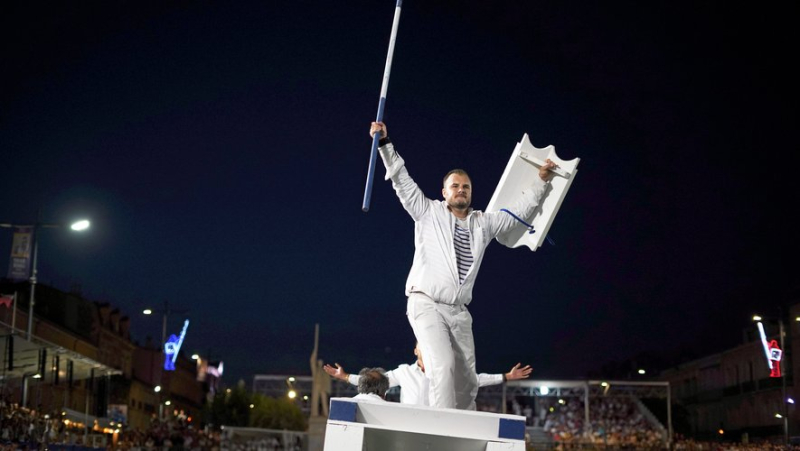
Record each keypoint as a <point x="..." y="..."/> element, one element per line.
<point x="83" y="224"/>
<point x="544" y="390"/>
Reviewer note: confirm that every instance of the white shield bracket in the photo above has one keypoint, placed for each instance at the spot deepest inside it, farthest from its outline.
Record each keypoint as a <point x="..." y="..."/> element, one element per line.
<point x="520" y="171"/>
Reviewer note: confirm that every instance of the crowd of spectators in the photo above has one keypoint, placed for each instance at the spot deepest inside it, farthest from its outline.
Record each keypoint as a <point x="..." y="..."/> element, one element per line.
<point x="23" y="429"/>
<point x="688" y="444"/>
<point x="175" y="434"/>
<point x="614" y="422"/>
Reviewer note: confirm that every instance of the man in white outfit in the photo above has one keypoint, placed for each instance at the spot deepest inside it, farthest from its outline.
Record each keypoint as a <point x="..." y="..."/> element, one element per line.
<point x="450" y="239"/>
<point x="415" y="386"/>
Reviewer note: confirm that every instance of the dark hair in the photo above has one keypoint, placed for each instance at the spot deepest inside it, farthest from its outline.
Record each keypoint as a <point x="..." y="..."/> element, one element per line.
<point x="374" y="381"/>
<point x="455" y="171"/>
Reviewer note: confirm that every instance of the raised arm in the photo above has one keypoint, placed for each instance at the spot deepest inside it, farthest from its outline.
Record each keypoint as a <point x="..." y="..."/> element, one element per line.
<point x="411" y="197"/>
<point x="501" y="222"/>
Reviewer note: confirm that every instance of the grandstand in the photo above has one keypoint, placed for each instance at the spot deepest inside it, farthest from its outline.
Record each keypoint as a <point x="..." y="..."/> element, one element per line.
<point x="586" y="413"/>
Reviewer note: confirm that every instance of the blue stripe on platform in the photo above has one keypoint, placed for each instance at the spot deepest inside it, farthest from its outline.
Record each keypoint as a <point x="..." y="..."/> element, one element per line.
<point x="513" y="429"/>
<point x="344" y="411"/>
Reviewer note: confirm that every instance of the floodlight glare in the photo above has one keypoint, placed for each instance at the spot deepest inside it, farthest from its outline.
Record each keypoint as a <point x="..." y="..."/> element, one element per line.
<point x="83" y="224"/>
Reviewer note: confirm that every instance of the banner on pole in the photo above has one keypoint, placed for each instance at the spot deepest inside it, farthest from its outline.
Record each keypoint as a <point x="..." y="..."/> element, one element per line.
<point x="20" y="262"/>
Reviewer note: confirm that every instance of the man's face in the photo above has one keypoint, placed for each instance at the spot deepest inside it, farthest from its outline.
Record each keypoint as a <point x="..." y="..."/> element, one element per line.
<point x="457" y="191"/>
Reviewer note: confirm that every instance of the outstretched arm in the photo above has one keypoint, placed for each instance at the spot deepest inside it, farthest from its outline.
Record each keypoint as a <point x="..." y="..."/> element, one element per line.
<point x="337" y="373"/>
<point x="517" y="372"/>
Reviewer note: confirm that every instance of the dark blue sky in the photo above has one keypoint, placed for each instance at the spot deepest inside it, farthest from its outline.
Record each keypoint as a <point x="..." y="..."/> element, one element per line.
<point x="221" y="148"/>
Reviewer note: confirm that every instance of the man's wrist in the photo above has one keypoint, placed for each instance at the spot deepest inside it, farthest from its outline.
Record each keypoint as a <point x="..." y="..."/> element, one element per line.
<point x="505" y="377"/>
<point x="384" y="141"/>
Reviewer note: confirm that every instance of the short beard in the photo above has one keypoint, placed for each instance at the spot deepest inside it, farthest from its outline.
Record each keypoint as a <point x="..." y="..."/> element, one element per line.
<point x="459" y="204"/>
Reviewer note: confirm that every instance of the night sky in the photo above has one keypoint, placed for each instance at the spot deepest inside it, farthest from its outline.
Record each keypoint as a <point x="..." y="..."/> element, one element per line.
<point x="221" y="150"/>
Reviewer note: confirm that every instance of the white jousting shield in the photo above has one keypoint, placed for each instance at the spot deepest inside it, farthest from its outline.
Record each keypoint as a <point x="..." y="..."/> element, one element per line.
<point x="520" y="171"/>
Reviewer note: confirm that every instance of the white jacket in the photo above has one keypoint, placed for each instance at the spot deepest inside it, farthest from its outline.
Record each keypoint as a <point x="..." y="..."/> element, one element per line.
<point x="415" y="387"/>
<point x="435" y="271"/>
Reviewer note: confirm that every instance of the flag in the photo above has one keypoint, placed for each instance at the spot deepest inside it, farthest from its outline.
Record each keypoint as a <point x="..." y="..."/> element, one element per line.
<point x="20" y="263"/>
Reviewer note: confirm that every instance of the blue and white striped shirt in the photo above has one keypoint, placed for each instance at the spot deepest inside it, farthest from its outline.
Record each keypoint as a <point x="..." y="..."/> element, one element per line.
<point x="463" y="254"/>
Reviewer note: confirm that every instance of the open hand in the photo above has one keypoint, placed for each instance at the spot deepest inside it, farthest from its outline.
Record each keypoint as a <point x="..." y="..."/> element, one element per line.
<point x="519" y="372"/>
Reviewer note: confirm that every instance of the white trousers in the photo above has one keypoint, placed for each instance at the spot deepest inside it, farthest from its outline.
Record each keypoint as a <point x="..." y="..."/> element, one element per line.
<point x="444" y="335"/>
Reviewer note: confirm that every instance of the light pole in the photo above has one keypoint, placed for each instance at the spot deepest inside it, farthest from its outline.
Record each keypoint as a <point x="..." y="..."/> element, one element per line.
<point x="165" y="313"/>
<point x="77" y="226"/>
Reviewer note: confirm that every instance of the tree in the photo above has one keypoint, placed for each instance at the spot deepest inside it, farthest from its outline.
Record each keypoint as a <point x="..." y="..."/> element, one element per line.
<point x="231" y="407"/>
<point x="271" y="413"/>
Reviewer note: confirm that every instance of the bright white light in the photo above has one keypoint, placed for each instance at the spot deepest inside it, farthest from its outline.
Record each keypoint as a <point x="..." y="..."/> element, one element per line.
<point x="544" y="390"/>
<point x="83" y="224"/>
<point x="292" y="394"/>
<point x="157" y="389"/>
<point x="604" y="384"/>
<point x="756" y="318"/>
<point x="195" y="356"/>
<point x="37" y="376"/>
<point x="147" y="311"/>
<point x="790" y="400"/>
<point x="168" y="403"/>
<point x="641" y="371"/>
<point x="777" y="415"/>
<point x="252" y="405"/>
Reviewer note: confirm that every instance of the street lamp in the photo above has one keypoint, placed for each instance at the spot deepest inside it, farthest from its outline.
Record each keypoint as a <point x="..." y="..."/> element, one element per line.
<point x="784" y="415"/>
<point x="77" y="226"/>
<point x="165" y="313"/>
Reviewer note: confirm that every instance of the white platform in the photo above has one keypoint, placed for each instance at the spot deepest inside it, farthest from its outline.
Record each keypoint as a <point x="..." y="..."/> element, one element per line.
<point x="390" y="426"/>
